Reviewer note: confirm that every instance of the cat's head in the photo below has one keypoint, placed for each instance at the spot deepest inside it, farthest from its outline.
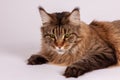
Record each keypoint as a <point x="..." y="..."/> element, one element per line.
<point x="60" y="31"/>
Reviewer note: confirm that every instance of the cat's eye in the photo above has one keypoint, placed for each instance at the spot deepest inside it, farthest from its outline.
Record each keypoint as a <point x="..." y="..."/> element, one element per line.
<point x="67" y="35"/>
<point x="52" y="35"/>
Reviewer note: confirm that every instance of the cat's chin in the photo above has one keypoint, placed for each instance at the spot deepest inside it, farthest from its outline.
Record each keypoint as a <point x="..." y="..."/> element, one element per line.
<point x="60" y="51"/>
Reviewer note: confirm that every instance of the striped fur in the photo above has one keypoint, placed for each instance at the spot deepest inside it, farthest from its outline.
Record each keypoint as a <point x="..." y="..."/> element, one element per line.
<point x="68" y="41"/>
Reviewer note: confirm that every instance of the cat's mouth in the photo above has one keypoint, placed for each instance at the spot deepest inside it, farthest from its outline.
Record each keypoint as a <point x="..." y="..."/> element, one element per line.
<point x="60" y="50"/>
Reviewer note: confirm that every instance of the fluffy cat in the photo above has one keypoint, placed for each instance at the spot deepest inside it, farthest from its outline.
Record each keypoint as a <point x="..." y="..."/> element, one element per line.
<point x="81" y="47"/>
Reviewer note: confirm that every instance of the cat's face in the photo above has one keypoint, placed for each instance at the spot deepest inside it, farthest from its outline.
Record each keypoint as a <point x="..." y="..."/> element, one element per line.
<point x="60" y="38"/>
<point x="60" y="30"/>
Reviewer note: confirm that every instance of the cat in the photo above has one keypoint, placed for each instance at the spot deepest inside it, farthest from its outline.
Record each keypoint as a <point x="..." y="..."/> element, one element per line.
<point x="68" y="41"/>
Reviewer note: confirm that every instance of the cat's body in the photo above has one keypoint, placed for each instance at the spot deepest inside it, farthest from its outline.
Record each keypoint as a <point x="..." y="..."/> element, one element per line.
<point x="68" y="41"/>
<point x="110" y="33"/>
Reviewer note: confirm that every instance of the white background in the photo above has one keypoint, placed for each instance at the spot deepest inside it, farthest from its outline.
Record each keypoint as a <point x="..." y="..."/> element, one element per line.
<point x="20" y="36"/>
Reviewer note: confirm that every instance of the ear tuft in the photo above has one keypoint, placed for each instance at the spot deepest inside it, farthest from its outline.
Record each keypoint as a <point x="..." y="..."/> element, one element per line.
<point x="44" y="15"/>
<point x="75" y="16"/>
<point x="41" y="8"/>
<point x="76" y="9"/>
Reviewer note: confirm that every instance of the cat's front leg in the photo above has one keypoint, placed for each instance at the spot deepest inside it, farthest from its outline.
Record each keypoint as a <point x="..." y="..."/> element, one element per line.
<point x="37" y="59"/>
<point x="73" y="71"/>
<point x="76" y="70"/>
<point x="89" y="63"/>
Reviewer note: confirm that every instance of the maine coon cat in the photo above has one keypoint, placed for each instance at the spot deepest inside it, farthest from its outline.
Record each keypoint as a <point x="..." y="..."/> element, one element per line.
<point x="81" y="47"/>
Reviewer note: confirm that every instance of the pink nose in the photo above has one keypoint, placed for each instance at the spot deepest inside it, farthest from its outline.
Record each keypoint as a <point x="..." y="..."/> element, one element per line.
<point x="59" y="45"/>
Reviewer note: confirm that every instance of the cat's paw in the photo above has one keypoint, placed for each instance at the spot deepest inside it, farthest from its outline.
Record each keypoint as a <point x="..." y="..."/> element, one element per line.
<point x="36" y="59"/>
<point x="72" y="71"/>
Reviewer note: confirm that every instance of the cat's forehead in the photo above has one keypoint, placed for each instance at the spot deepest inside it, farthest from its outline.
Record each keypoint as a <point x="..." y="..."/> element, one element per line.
<point x="59" y="21"/>
<point x="64" y="29"/>
<point x="60" y="18"/>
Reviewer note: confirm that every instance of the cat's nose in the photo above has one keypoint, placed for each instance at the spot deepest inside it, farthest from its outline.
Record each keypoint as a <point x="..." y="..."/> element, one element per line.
<point x="59" y="44"/>
<point x="59" y="47"/>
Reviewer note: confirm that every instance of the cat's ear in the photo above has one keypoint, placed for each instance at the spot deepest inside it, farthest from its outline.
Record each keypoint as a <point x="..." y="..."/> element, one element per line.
<point x="75" y="16"/>
<point x="44" y="16"/>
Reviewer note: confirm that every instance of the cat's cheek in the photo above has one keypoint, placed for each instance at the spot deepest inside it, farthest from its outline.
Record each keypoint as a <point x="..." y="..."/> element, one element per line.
<point x="52" y="46"/>
<point x="67" y="46"/>
<point x="48" y="40"/>
<point x="72" y="39"/>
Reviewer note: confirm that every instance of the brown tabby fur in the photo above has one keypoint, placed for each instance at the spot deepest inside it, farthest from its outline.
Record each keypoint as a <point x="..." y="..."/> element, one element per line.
<point x="110" y="33"/>
<point x="90" y="47"/>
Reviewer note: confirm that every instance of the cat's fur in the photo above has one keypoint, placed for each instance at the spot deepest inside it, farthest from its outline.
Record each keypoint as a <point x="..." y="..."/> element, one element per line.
<point x="68" y="41"/>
